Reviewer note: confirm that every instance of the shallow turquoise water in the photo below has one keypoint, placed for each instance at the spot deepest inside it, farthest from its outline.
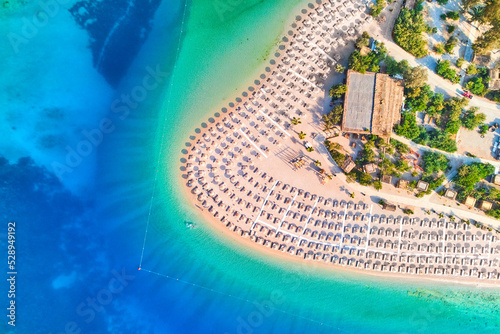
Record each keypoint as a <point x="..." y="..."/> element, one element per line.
<point x="304" y="299"/>
<point x="206" y="282"/>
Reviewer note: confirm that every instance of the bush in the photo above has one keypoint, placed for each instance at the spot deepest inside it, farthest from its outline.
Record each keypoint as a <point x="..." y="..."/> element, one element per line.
<point x="439" y="139"/>
<point x="470" y="120"/>
<point x="493" y="95"/>
<point x="377" y="7"/>
<point x="443" y="69"/>
<point x="460" y="62"/>
<point x="408" y="127"/>
<point x="469" y="175"/>
<point x="450" y="29"/>
<point x="434" y="162"/>
<point x="434" y="30"/>
<point x="442" y="17"/>
<point x="439" y="48"/>
<point x="471" y="69"/>
<point x="394" y="67"/>
<point x="408" y="31"/>
<point x="337" y="91"/>
<point x="476" y="86"/>
<point x="450" y="44"/>
<point x="453" y="15"/>
<point x="338" y="157"/>
<point x="400" y="147"/>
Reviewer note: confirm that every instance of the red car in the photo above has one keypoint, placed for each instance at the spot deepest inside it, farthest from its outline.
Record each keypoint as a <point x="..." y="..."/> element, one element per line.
<point x="467" y="94"/>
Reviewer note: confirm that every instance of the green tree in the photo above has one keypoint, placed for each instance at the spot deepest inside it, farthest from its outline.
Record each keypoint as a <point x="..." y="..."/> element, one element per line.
<point x="377" y="184"/>
<point x="335" y="115"/>
<point x="408" y="127"/>
<point x="471" y="69"/>
<point x="337" y="91"/>
<point x="476" y="13"/>
<point x="439" y="48"/>
<point x="489" y="40"/>
<point x="302" y="135"/>
<point x="296" y="121"/>
<point x="339" y="68"/>
<point x="415" y="77"/>
<point x="408" y="30"/>
<point x="460" y="61"/>
<point x="476" y="86"/>
<point x="443" y="69"/>
<point x="434" y="162"/>
<point x="469" y="175"/>
<point x="450" y="44"/>
<point x="471" y="120"/>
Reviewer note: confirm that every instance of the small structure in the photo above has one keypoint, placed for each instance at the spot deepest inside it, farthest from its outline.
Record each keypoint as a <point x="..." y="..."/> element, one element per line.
<point x="422" y="185"/>
<point x="348" y="165"/>
<point x="390" y="206"/>
<point x="494" y="83"/>
<point x="450" y="194"/>
<point x="470" y="201"/>
<point x="496" y="179"/>
<point x="485" y="205"/>
<point x="386" y="179"/>
<point x="370" y="168"/>
<point x="402" y="184"/>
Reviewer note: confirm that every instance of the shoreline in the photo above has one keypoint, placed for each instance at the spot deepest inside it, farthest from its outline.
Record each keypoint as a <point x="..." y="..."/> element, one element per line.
<point x="208" y="150"/>
<point x="256" y="251"/>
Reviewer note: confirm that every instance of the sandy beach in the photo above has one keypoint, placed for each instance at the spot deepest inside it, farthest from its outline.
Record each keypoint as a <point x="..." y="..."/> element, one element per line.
<point x="247" y="171"/>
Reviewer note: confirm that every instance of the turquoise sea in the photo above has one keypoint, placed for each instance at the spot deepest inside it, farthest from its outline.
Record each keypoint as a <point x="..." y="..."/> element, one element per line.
<point x="81" y="238"/>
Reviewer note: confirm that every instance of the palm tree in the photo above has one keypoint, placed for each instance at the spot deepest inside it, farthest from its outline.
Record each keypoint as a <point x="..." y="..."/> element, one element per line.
<point x="317" y="163"/>
<point x="476" y="13"/>
<point x="296" y="121"/>
<point x="352" y="195"/>
<point x="310" y="149"/>
<point x="302" y="135"/>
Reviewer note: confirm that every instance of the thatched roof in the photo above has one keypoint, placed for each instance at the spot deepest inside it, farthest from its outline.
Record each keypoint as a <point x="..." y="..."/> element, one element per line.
<point x="372" y="104"/>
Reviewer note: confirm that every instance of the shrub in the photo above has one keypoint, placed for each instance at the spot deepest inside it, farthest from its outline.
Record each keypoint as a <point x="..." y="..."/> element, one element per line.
<point x="337" y="91"/>
<point x="476" y="86"/>
<point x="450" y="44"/>
<point x="453" y="15"/>
<point x="439" y="48"/>
<point x="460" y="62"/>
<point x="468" y="175"/>
<point x="443" y="69"/>
<point x="471" y="120"/>
<point x="408" y="31"/>
<point x="450" y="29"/>
<point x="434" y="30"/>
<point x="434" y="162"/>
<point x="408" y="127"/>
<point x="471" y="69"/>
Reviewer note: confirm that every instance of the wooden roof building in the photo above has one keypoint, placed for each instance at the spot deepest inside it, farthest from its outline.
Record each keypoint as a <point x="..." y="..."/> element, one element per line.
<point x="348" y="165"/>
<point x="450" y="194"/>
<point x="372" y="103"/>
<point x="485" y="205"/>
<point x="386" y="179"/>
<point x="370" y="168"/>
<point x="422" y="185"/>
<point x="389" y="206"/>
<point x="470" y="201"/>
<point x="403" y="184"/>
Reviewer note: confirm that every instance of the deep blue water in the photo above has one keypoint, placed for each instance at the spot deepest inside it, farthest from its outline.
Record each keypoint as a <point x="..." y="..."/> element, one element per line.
<point x="79" y="254"/>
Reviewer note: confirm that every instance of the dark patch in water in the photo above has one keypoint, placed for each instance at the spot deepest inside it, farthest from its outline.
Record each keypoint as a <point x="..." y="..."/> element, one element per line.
<point x="117" y="29"/>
